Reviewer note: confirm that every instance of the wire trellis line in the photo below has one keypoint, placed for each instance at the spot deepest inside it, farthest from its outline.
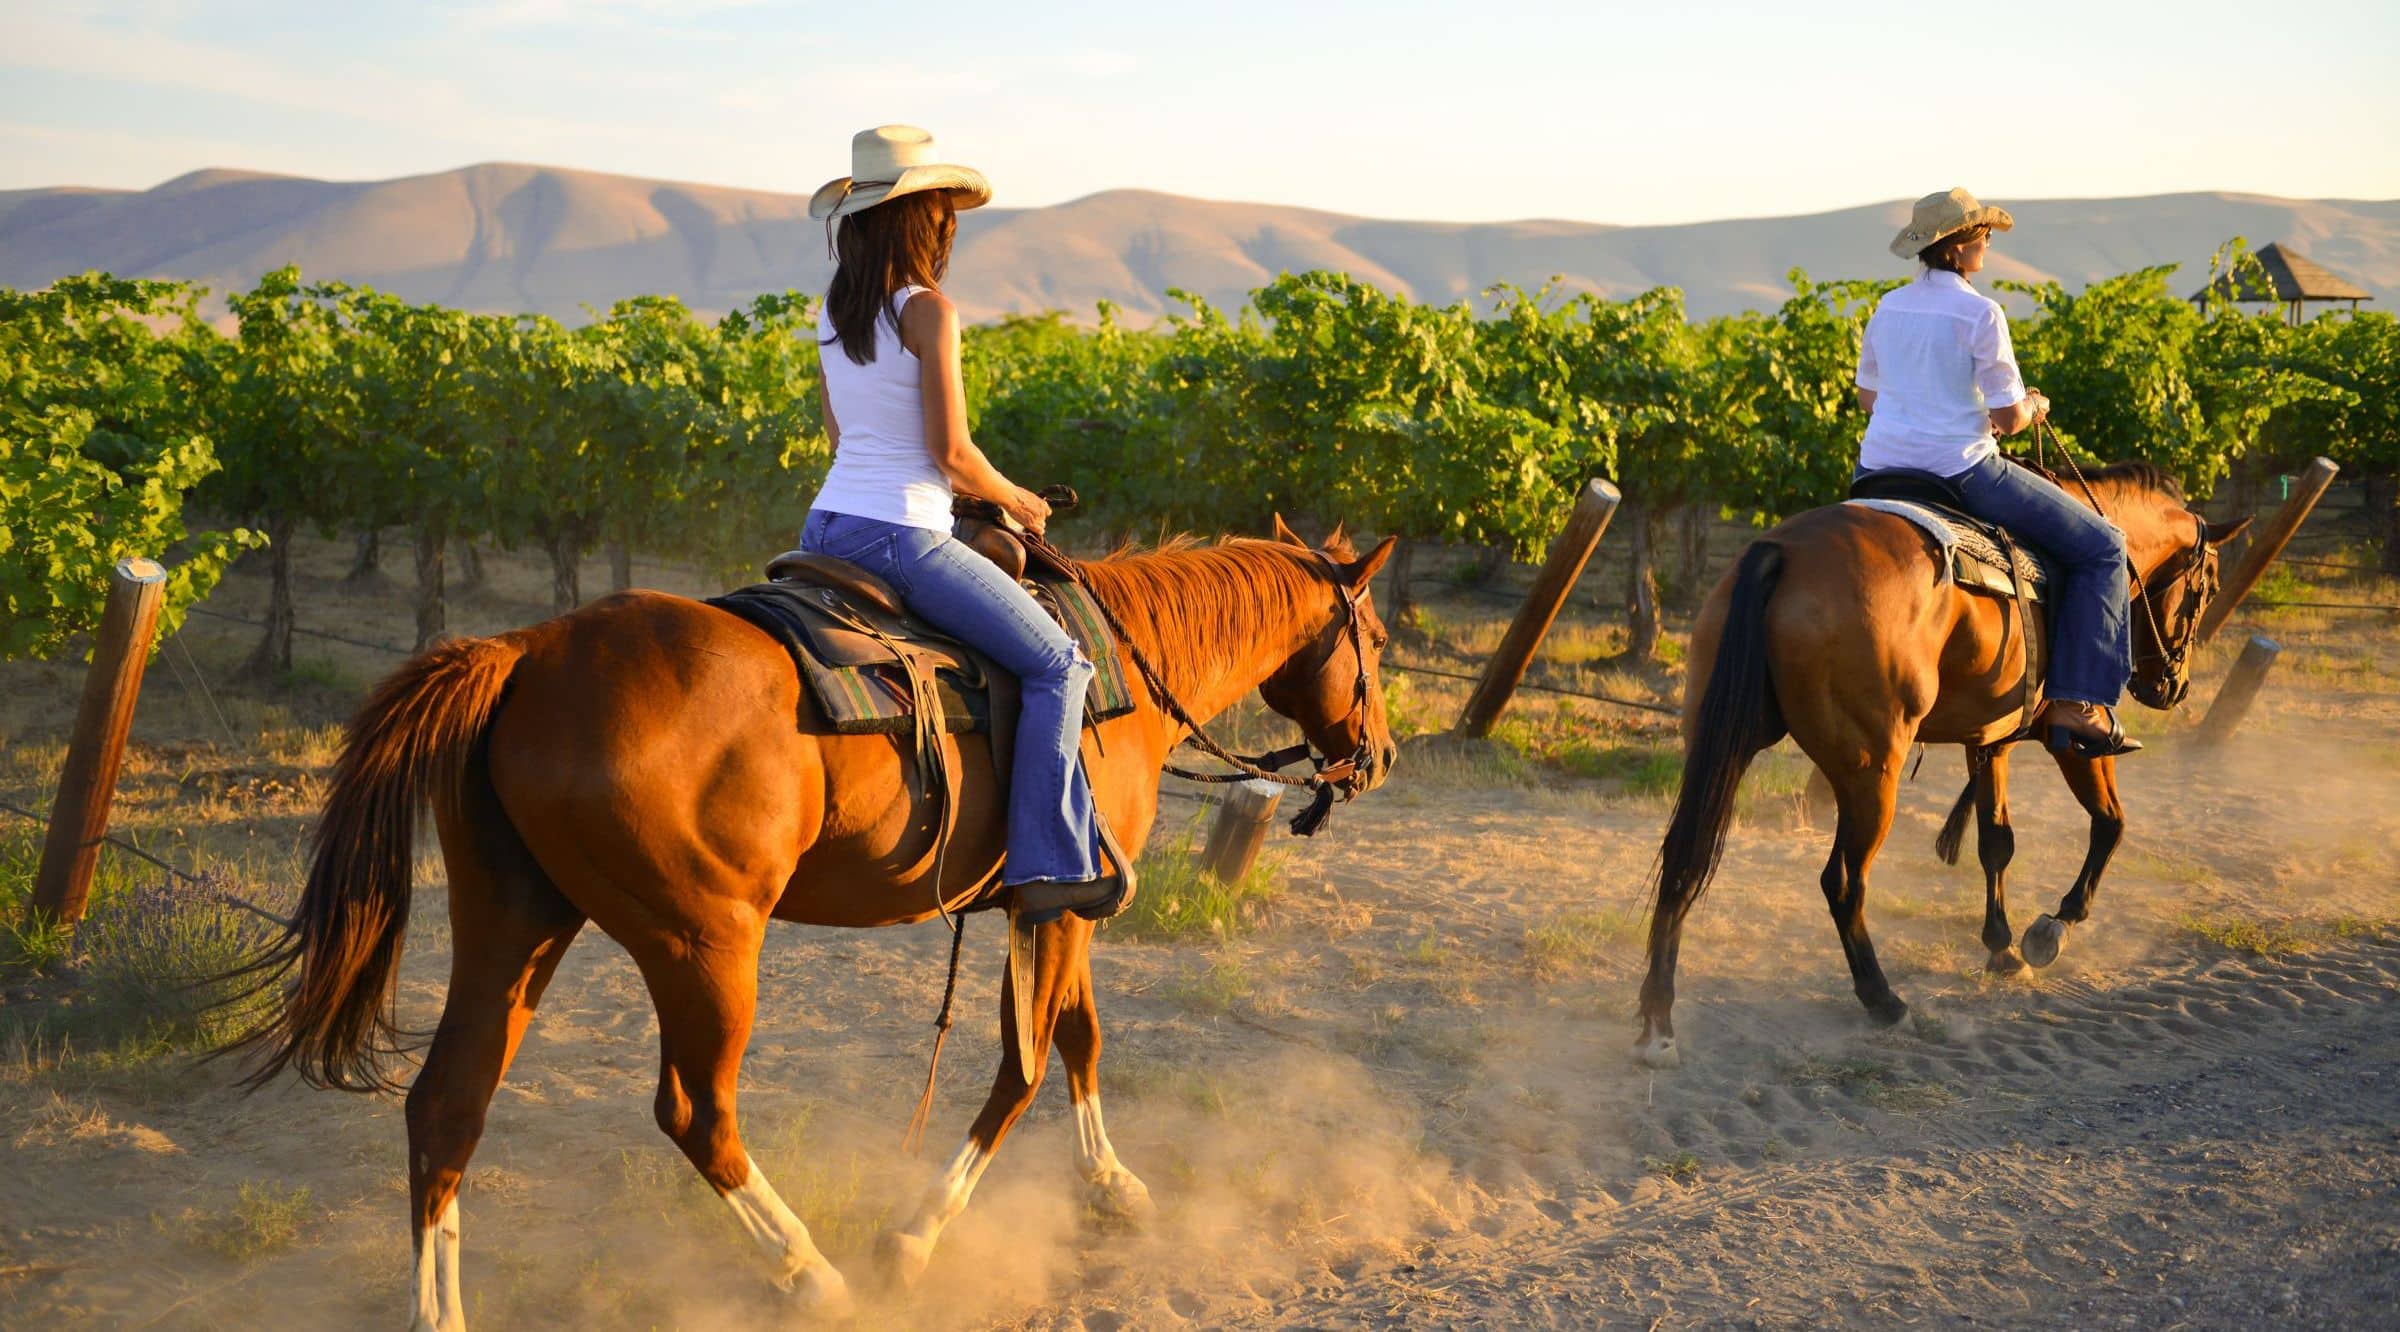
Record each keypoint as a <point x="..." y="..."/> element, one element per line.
<point x="304" y="632"/>
<point x="1415" y="669"/>
<point x="185" y="877"/>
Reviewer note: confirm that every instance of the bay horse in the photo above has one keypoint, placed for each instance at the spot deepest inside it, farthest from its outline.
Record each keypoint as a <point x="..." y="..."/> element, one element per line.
<point x="1837" y="628"/>
<point x="636" y="763"/>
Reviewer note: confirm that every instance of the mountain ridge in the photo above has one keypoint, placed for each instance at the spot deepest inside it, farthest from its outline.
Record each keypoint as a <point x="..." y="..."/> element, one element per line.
<point x="511" y="236"/>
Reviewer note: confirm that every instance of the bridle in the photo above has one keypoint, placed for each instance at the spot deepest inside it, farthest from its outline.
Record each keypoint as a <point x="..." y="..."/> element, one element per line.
<point x="1330" y="778"/>
<point x="2199" y="578"/>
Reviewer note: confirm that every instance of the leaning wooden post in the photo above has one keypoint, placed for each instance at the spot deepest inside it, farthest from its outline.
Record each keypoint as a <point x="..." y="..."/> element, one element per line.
<point x="1240" y="829"/>
<point x="2307" y="488"/>
<point x="88" y="784"/>
<point x="1568" y="554"/>
<point x="2240" y="689"/>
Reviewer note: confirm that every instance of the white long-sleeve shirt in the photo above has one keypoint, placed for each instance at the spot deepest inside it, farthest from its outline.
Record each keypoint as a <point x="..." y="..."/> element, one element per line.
<point x="1938" y="358"/>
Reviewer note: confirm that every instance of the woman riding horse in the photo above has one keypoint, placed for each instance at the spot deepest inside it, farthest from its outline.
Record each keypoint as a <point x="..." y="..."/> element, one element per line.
<point x="1939" y="381"/>
<point x="1840" y="629"/>
<point x="896" y="415"/>
<point x="654" y="766"/>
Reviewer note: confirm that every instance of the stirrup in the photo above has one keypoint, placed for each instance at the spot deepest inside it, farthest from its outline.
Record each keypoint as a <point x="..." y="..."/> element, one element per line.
<point x="1093" y="899"/>
<point x="2066" y="739"/>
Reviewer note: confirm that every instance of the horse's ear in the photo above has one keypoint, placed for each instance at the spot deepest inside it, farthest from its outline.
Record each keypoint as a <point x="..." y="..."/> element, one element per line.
<point x="1360" y="570"/>
<point x="1285" y="534"/>
<point x="2220" y="533"/>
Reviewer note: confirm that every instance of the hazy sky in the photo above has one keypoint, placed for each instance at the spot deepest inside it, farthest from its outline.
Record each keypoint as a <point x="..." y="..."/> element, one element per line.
<point x="1653" y="112"/>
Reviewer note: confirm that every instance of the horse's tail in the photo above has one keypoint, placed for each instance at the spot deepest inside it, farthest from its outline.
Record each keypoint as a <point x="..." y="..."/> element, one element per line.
<point x="332" y="1022"/>
<point x="1737" y="718"/>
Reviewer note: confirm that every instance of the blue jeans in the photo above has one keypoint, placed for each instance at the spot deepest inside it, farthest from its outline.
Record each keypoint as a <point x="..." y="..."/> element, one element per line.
<point x="2091" y="640"/>
<point x="1051" y="832"/>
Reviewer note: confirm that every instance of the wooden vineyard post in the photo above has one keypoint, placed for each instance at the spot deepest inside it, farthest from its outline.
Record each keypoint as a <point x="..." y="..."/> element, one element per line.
<point x="88" y="784"/>
<point x="1568" y="554"/>
<point x="1240" y="829"/>
<point x="2307" y="488"/>
<point x="2240" y="689"/>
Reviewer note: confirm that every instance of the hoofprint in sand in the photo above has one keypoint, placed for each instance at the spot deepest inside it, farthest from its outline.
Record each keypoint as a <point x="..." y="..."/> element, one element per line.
<point x="1403" y="1094"/>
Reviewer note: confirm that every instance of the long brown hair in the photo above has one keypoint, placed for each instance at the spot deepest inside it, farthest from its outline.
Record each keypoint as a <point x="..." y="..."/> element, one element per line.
<point x="879" y="250"/>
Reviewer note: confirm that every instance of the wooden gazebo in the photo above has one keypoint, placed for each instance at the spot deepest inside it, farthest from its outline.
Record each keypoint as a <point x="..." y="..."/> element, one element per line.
<point x="2293" y="279"/>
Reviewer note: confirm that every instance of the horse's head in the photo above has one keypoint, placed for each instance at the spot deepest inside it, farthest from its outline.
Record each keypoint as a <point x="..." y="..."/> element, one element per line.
<point x="1333" y="686"/>
<point x="2174" y="555"/>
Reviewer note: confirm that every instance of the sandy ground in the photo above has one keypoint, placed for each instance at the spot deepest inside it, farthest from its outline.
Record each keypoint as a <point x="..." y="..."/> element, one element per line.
<point x="1407" y="1096"/>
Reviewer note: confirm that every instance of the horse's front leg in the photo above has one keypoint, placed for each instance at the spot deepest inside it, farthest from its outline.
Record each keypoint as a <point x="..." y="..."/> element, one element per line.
<point x="1062" y="958"/>
<point x="2094" y="782"/>
<point x="1115" y="1193"/>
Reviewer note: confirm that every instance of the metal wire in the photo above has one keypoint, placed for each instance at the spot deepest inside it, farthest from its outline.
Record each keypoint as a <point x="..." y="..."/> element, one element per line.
<point x="185" y="877"/>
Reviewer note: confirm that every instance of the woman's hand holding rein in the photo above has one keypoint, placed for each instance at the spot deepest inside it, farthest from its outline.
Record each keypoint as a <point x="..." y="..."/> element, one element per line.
<point x="2033" y="407"/>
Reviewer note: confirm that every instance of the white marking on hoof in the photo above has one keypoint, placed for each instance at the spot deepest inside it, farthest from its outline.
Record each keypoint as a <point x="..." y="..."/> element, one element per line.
<point x="1122" y="1197"/>
<point x="820" y="1292"/>
<point x="2043" y="938"/>
<point x="439" y="1306"/>
<point x="1659" y="1052"/>
<point x="908" y="1249"/>
<point x="903" y="1258"/>
<point x="795" y="1265"/>
<point x="1115" y="1192"/>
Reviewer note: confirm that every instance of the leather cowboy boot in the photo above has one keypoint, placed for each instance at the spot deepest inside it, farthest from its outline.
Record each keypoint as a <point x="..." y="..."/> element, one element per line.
<point x="1092" y="899"/>
<point x="2089" y="729"/>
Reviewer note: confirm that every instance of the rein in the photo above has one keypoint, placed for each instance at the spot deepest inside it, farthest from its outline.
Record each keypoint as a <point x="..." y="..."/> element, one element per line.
<point x="2172" y="654"/>
<point x="1263" y="767"/>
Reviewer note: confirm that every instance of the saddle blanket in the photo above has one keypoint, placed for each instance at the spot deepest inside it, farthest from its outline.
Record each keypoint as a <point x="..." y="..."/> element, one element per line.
<point x="863" y="689"/>
<point x="1969" y="558"/>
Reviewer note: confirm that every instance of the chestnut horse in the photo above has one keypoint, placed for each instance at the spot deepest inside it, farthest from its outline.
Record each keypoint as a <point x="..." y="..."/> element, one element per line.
<point x="1837" y="628"/>
<point x="635" y="763"/>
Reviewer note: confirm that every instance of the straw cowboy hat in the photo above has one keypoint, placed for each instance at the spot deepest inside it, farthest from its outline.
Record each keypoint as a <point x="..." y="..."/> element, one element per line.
<point x="1940" y="215"/>
<point x="889" y="161"/>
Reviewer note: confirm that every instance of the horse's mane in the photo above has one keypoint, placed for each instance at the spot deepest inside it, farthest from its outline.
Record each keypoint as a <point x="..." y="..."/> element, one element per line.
<point x="2133" y="472"/>
<point x="1180" y="595"/>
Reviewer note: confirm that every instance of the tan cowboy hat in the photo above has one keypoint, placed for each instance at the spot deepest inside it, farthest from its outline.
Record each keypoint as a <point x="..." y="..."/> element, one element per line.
<point x="1944" y="214"/>
<point x="889" y="161"/>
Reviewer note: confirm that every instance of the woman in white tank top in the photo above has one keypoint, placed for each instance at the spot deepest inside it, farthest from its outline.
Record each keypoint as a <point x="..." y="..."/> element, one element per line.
<point x="896" y="413"/>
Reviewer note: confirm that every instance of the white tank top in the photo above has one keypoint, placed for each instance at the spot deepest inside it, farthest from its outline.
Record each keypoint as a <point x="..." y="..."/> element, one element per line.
<point x="881" y="469"/>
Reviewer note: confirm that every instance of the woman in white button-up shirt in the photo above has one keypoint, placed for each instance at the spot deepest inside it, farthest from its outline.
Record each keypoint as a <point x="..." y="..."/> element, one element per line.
<point x="1939" y="381"/>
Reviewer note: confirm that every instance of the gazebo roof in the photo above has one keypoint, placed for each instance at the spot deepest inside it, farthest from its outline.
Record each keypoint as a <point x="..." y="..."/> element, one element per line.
<point x="2293" y="277"/>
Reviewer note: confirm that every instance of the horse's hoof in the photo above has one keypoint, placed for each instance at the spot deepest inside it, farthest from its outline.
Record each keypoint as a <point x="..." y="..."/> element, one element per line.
<point x="1889" y="1011"/>
<point x="1118" y="1198"/>
<point x="2006" y="962"/>
<point x="2042" y="940"/>
<point x="901" y="1259"/>
<point x="819" y="1293"/>
<point x="1659" y="1052"/>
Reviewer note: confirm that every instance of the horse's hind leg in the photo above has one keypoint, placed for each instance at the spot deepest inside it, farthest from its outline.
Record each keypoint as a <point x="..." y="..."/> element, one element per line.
<point x="703" y="976"/>
<point x="1995" y="846"/>
<point x="509" y="926"/>
<point x="1115" y="1192"/>
<point x="1062" y="958"/>
<point x="1866" y="795"/>
<point x="2094" y="782"/>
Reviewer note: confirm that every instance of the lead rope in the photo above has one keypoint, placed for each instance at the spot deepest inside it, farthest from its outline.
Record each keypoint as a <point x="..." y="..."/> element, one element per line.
<point x="914" y="1139"/>
<point x="933" y="772"/>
